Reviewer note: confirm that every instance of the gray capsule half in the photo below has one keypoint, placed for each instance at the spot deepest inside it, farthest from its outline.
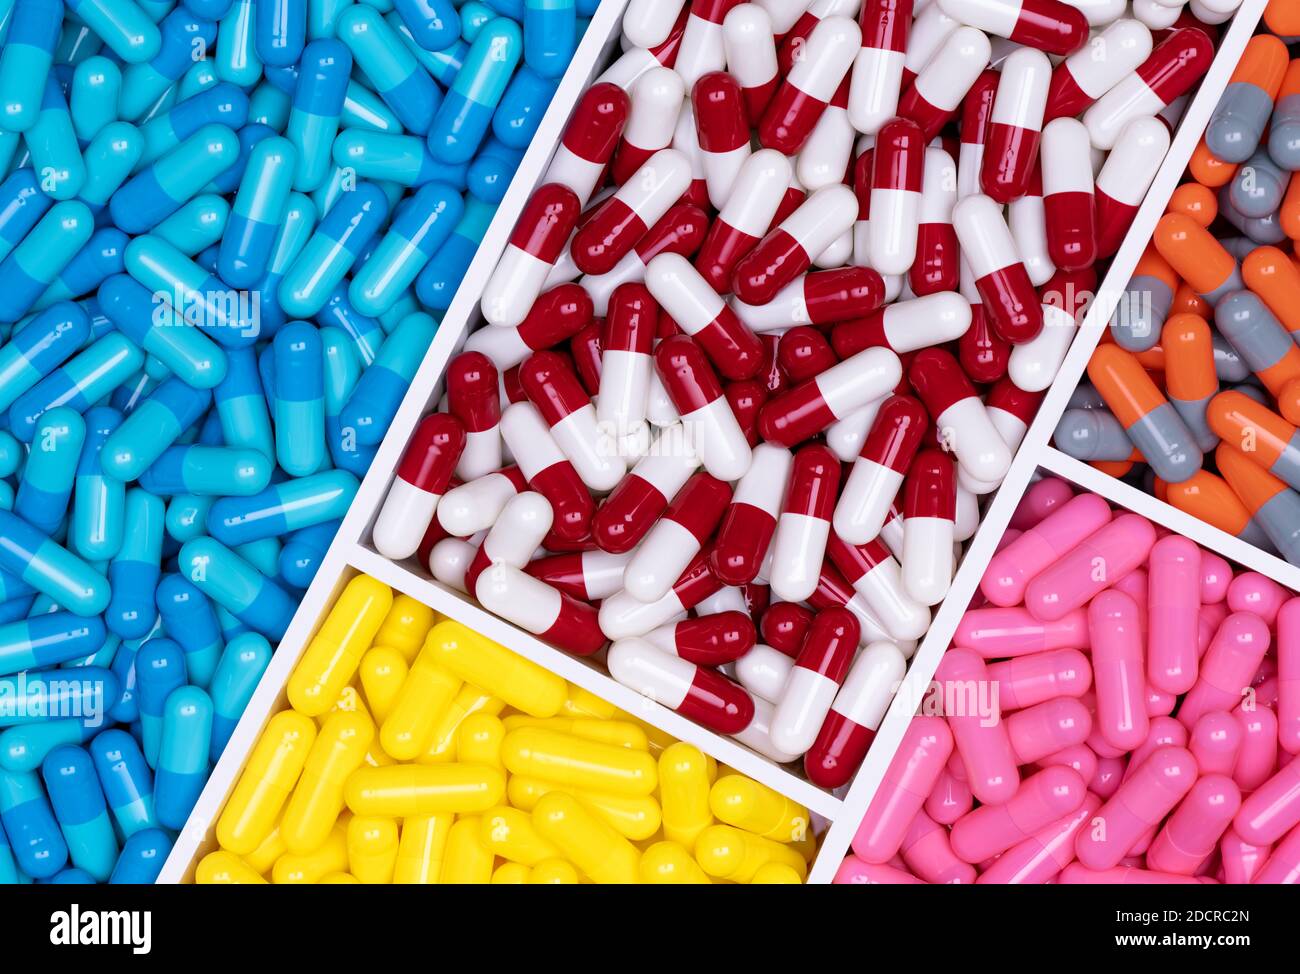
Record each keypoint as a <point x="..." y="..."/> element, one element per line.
<point x="1257" y="187"/>
<point x="1092" y="434"/>
<point x="1280" y="519"/>
<point x="1265" y="230"/>
<point x="1141" y="313"/>
<point x="1284" y="136"/>
<point x="1245" y="321"/>
<point x="1166" y="444"/>
<point x="1228" y="365"/>
<point x="1238" y="122"/>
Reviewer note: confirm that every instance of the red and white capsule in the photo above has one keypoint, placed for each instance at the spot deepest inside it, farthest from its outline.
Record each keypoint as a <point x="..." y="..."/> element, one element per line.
<point x="547" y="470"/>
<point x="1047" y="25"/>
<point x="827" y="154"/>
<point x="1015" y="127"/>
<point x="808" y="88"/>
<point x="1009" y="297"/>
<point x="932" y="100"/>
<point x="875" y="575"/>
<point x="1027" y="220"/>
<point x="937" y="267"/>
<point x="877" y="77"/>
<point x="1125" y="177"/>
<point x="590" y="139"/>
<point x="703" y="695"/>
<point x="449" y="559"/>
<point x="515" y="537"/>
<point x="929" y="513"/>
<point x="1010" y="409"/>
<point x="702" y="314"/>
<point x="647" y="23"/>
<point x="877" y="473"/>
<point x="552" y="386"/>
<point x="1090" y="72"/>
<point x="834" y="591"/>
<point x="474" y="506"/>
<point x="745" y="218"/>
<point x="750" y="49"/>
<point x="976" y="114"/>
<point x="723" y="131"/>
<point x="898" y="170"/>
<point x="422" y="478"/>
<point x="819" y="670"/>
<point x="701" y="48"/>
<point x="963" y="422"/>
<point x="687" y="141"/>
<point x="765" y="671"/>
<point x="473" y="398"/>
<point x="656" y="102"/>
<point x="906" y="326"/>
<point x="546" y="612"/>
<point x="548" y="218"/>
<point x="709" y="423"/>
<point x="679" y="231"/>
<point x="804" y="527"/>
<point x="788" y="250"/>
<point x="556" y="316"/>
<point x="709" y="640"/>
<point x="1068" y="195"/>
<point x="623" y="615"/>
<point x="850" y="726"/>
<point x="924" y="39"/>
<point x="623" y="219"/>
<point x="627" y="340"/>
<point x="811" y="406"/>
<point x="820" y="298"/>
<point x="634" y="506"/>
<point x="588" y="576"/>
<point x="677" y="537"/>
<point x="749" y="522"/>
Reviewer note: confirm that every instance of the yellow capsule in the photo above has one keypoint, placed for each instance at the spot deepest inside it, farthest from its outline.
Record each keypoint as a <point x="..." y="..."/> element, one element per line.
<point x="420" y="852"/>
<point x="331" y="658"/>
<point x="268" y="850"/>
<point x="587" y="765"/>
<point x="806" y="845"/>
<point x="266" y="783"/>
<point x="330" y="857"/>
<point x="469" y="700"/>
<point x="579" y="702"/>
<point x="479" y="741"/>
<point x="339" y="879"/>
<point x="510" y="874"/>
<point x="620" y="733"/>
<point x="372" y="848"/>
<point x="636" y="817"/>
<point x="754" y="807"/>
<point x="509" y="833"/>
<point x="776" y="874"/>
<point x="350" y="701"/>
<point x="383" y="670"/>
<point x="405" y="626"/>
<point x="466" y="862"/>
<point x="731" y="853"/>
<point x="670" y="863"/>
<point x="684" y="791"/>
<point x="554" y="872"/>
<point x="427" y="693"/>
<point x="314" y="807"/>
<point x="520" y="682"/>
<point x="585" y="839"/>
<point x="225" y="868"/>
<point x="659" y="740"/>
<point x="403" y="790"/>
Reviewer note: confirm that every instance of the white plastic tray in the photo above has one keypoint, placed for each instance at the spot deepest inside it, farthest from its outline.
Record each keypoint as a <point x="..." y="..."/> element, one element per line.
<point x="351" y="553"/>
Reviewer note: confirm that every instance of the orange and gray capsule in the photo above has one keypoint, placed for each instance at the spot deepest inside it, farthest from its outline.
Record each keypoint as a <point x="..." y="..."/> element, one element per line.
<point x="1208" y="498"/>
<point x="1273" y="505"/>
<point x="1145" y="304"/>
<point x="1092" y="435"/>
<point x="1245" y="321"/>
<point x="1190" y="379"/>
<point x="1258" y="433"/>
<point x="1197" y="257"/>
<point x="1246" y="105"/>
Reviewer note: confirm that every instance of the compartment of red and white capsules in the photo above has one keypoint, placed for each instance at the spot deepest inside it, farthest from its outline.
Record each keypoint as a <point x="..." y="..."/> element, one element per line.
<point x="766" y="333"/>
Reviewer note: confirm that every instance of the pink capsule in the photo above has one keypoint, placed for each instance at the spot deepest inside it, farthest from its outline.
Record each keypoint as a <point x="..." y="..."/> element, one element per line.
<point x="811" y="406"/>
<point x="709" y="640"/>
<point x="1041" y="857"/>
<point x="745" y="218"/>
<point x="1015" y="126"/>
<point x="474" y="506"/>
<point x="1195" y="827"/>
<point x="1029" y="680"/>
<point x="820" y="298"/>
<point x="547" y="470"/>
<point x="1068" y="195"/>
<point x="1241" y="859"/>
<point x="1125" y="177"/>
<point x="617" y="224"/>
<point x="623" y="615"/>
<point x="962" y="420"/>
<point x="1093" y="70"/>
<point x="1044" y="732"/>
<point x="1092" y="565"/>
<point x="877" y="474"/>
<point x="1003" y="633"/>
<point x="804" y="526"/>
<point x="710" y="425"/>
<point x="976" y="116"/>
<point x="933" y="98"/>
<point x="588" y="576"/>
<point x="788" y="250"/>
<point x="701" y="48"/>
<point x="556" y="316"/>
<point x="544" y="611"/>
<point x="981" y="737"/>
<point x="676" y="537"/>
<point x="877" y="77"/>
<point x="589" y="139"/>
<point x="700" y="694"/>
<point x="631" y="510"/>
<point x="905" y="326"/>
<point x="422" y="478"/>
<point x="750" y="521"/>
<point x="937" y="267"/>
<point x="656" y="103"/>
<point x="1283" y="865"/>
<point x="1288" y="676"/>
<point x="827" y="55"/>
<point x="1003" y="283"/>
<point x="1257" y="594"/>
<point x="926" y="851"/>
<point x="552" y="386"/>
<point x="1228" y="667"/>
<point x="929" y="513"/>
<point x="854" y="872"/>
<point x="679" y="231"/>
<point x="950" y="799"/>
<point x="539" y="236"/>
<point x="898" y="169"/>
<point x="1215" y="742"/>
<point x="1047" y="25"/>
<point x="1273" y="809"/>
<point x="702" y="314"/>
<point x="1119" y="670"/>
<point x="908" y="780"/>
<point x="1122" y="875"/>
<point x="1042" y="498"/>
<point x="751" y="56"/>
<point x="1175" y="598"/>
<point x="722" y="130"/>
<point x="1042" y="799"/>
<point x="859" y="707"/>
<point x="627" y="340"/>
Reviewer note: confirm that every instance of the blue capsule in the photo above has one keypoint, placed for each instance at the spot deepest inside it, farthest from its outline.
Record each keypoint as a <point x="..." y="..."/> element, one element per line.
<point x="241" y="405"/>
<point x="48" y="640"/>
<point x="135" y="569"/>
<point x="420" y="228"/>
<point x="299" y="400"/>
<point x="443" y="64"/>
<point x="255" y="218"/>
<point x="98" y="260"/>
<point x="367" y="333"/>
<point x="342" y="371"/>
<point x="142" y="858"/>
<point x="458" y="128"/>
<point x="92" y="100"/>
<point x="402" y="159"/>
<point x="392" y="70"/>
<point x="231" y="582"/>
<point x="110" y="159"/>
<point x="169" y="183"/>
<point x="434" y="24"/>
<point x="52" y="142"/>
<point x="98" y="501"/>
<point x="317" y="104"/>
<point x="159" y="670"/>
<point x="196" y="226"/>
<point x="522" y="107"/>
<point x="301" y="556"/>
<point x="126" y="780"/>
<point x="492" y="169"/>
<point x="550" y="35"/>
<point x="46" y="484"/>
<point x="282" y="508"/>
<point x="43" y="254"/>
<point x="279" y="30"/>
<point x="25" y="60"/>
<point x="183" y="36"/>
<point x="183" y="755"/>
<point x="39" y="347"/>
<point x="126" y="710"/>
<point x="186" y="514"/>
<point x="333" y="248"/>
<point x="237" y="60"/>
<point x="207" y="470"/>
<point x="9" y="874"/>
<point x="222" y="104"/>
<point x="22" y="204"/>
<point x="34" y="836"/>
<point x="173" y="407"/>
<point x="81" y="810"/>
<point x="295" y="231"/>
<point x="47" y="567"/>
<point x="473" y="16"/>
<point x="242" y="664"/>
<point x="152" y="323"/>
<point x="441" y="277"/>
<point x="188" y="616"/>
<point x="373" y="403"/>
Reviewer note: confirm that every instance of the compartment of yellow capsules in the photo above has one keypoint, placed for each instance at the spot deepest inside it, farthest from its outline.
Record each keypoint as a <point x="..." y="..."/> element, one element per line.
<point x="421" y="848"/>
<point x="731" y="853"/>
<point x="226" y="868"/>
<point x="427" y="692"/>
<point x="621" y="733"/>
<point x="402" y="790"/>
<point x="470" y="700"/>
<point x="754" y="807"/>
<point x="466" y="862"/>
<point x="684" y="793"/>
<point x="382" y="672"/>
<point x="520" y="682"/>
<point x="586" y="840"/>
<point x="588" y="765"/>
<point x="332" y="657"/>
<point x="405" y="626"/>
<point x="670" y="863"/>
<point x="479" y="741"/>
<point x="508" y="832"/>
<point x="314" y="807"/>
<point x="635" y="817"/>
<point x="554" y="872"/>
<point x="266" y="783"/>
<point x="330" y="857"/>
<point x="372" y="848"/>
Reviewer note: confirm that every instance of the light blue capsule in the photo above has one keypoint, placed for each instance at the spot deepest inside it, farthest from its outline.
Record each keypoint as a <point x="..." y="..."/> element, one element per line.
<point x="299" y="400"/>
<point x="235" y="585"/>
<point x="43" y="253"/>
<point x="332" y="249"/>
<point x="373" y="404"/>
<point x="191" y="619"/>
<point x="363" y="109"/>
<point x="38" y="348"/>
<point x="183" y="756"/>
<point x="52" y="142"/>
<point x="110" y="159"/>
<point x="269" y="106"/>
<point x="23" y="748"/>
<point x="164" y="187"/>
<point x="207" y="470"/>
<point x="393" y="71"/>
<point x="402" y="159"/>
<point x="242" y="664"/>
<point x="25" y="60"/>
<point x="173" y="407"/>
<point x="514" y="9"/>
<point x="98" y="505"/>
<point x="367" y="333"/>
<point x="76" y="43"/>
<point x="295" y="231"/>
<point x="51" y="569"/>
<point x="420" y="228"/>
<point x="280" y="30"/>
<point x="255" y="218"/>
<point x="123" y="27"/>
<point x="196" y="226"/>
<point x="462" y="121"/>
<point x="22" y="204"/>
<point x="81" y="810"/>
<point x="48" y="640"/>
<point x="440" y="278"/>
<point x="221" y="104"/>
<point x="442" y="65"/>
<point x="94" y="263"/>
<point x="35" y="697"/>
<point x="241" y="406"/>
<point x="186" y="516"/>
<point x="186" y="39"/>
<point x="96" y="84"/>
<point x="126" y="780"/>
<point x="282" y="508"/>
<point x="11" y="454"/>
<point x="264" y="555"/>
<point x="322" y="17"/>
<point x="473" y="16"/>
<point x="47" y="480"/>
<point x="152" y="323"/>
<point x="237" y="60"/>
<point x="136" y="568"/>
<point x="159" y="669"/>
<point x="38" y="845"/>
<point x="84" y="380"/>
<point x="342" y="370"/>
<point x="142" y="858"/>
